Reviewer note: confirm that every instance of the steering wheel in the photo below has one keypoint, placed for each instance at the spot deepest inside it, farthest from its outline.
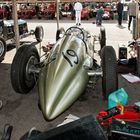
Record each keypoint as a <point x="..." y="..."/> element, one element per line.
<point x="76" y="31"/>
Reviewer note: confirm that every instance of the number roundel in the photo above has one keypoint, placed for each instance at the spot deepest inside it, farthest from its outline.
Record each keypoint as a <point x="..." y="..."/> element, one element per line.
<point x="71" y="57"/>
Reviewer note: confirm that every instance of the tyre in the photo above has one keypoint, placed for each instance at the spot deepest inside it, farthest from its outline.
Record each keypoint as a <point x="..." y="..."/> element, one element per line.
<point x="109" y="68"/>
<point x="6" y="135"/>
<point x="3" y="48"/>
<point x="39" y="33"/>
<point x="22" y="79"/>
<point x="59" y="32"/>
<point x="102" y="37"/>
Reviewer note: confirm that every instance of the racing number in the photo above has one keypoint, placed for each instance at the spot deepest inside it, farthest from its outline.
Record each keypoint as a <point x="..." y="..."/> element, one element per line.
<point x="71" y="57"/>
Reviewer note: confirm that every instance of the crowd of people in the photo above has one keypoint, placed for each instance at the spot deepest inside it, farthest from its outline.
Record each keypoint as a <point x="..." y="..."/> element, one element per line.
<point x="133" y="11"/>
<point x="89" y="7"/>
<point x="93" y="9"/>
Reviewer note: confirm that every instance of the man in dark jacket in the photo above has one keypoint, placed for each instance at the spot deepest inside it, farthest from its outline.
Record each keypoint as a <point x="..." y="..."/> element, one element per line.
<point x="120" y="12"/>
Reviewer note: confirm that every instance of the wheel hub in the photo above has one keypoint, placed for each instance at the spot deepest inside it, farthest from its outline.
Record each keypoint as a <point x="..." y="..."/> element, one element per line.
<point x="30" y="67"/>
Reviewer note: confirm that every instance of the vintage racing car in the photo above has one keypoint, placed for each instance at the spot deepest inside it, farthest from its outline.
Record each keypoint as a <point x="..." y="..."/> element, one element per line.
<point x="64" y="72"/>
<point x="7" y="34"/>
<point x="26" y="13"/>
<point x="49" y="12"/>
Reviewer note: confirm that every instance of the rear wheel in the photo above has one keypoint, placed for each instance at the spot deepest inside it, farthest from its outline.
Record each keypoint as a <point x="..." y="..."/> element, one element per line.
<point x="39" y="33"/>
<point x="22" y="79"/>
<point x="3" y="48"/>
<point x="109" y="68"/>
<point x="102" y="37"/>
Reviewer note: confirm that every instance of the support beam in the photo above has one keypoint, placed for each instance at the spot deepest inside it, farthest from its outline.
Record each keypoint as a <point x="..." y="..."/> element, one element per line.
<point x="15" y="18"/>
<point x="57" y="13"/>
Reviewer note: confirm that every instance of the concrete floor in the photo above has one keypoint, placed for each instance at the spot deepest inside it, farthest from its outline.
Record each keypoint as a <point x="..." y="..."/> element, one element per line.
<point x="22" y="111"/>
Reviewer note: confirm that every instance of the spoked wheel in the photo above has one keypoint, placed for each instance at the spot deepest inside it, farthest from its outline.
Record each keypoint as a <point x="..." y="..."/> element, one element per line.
<point x="59" y="32"/>
<point x="39" y="33"/>
<point x="23" y="78"/>
<point x="109" y="68"/>
<point x="102" y="37"/>
<point x="3" y="48"/>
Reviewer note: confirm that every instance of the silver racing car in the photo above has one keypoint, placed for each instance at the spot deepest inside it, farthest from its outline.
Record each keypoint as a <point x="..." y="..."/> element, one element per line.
<point x="64" y="73"/>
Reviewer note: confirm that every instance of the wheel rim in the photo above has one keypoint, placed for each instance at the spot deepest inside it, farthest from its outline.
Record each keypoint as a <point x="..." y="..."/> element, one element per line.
<point x="30" y="67"/>
<point x="1" y="48"/>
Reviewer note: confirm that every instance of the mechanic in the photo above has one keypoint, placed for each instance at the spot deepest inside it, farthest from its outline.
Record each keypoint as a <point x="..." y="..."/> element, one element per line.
<point x="133" y="9"/>
<point x="78" y="8"/>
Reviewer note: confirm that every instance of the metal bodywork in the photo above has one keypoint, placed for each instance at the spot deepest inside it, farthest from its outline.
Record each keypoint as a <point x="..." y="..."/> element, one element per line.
<point x="63" y="80"/>
<point x="65" y="74"/>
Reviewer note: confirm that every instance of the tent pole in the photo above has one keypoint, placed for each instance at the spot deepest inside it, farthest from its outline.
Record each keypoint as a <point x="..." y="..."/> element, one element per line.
<point x="16" y="29"/>
<point x="57" y="13"/>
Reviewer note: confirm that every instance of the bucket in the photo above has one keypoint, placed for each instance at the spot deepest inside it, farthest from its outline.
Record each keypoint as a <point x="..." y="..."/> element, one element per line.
<point x="117" y="97"/>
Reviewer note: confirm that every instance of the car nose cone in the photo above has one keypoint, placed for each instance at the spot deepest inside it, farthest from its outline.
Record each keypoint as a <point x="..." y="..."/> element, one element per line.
<point x="62" y="81"/>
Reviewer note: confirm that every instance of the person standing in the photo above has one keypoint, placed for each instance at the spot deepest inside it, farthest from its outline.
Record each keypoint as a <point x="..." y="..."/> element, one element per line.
<point x="78" y="8"/>
<point x="120" y="7"/>
<point x="37" y="10"/>
<point x="99" y="15"/>
<point x="133" y="9"/>
<point x="7" y="12"/>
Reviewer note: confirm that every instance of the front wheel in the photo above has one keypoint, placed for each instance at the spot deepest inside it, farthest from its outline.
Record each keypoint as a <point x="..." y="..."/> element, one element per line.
<point x="109" y="68"/>
<point x="22" y="77"/>
<point x="3" y="48"/>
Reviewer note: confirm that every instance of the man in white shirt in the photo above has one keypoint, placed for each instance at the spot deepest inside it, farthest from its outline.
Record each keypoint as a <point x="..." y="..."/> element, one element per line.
<point x="78" y="8"/>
